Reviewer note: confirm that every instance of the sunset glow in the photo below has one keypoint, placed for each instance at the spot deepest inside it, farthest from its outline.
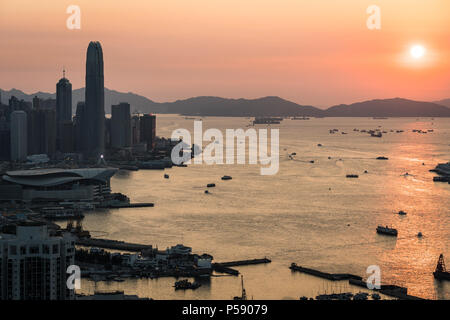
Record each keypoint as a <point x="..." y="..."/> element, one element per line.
<point x="311" y="52"/>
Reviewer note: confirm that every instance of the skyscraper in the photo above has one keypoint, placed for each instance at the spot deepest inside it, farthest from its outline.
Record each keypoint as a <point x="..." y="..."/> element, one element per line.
<point x="18" y="135"/>
<point x="120" y="125"/>
<point x="148" y="130"/>
<point x="63" y="107"/>
<point x="95" y="100"/>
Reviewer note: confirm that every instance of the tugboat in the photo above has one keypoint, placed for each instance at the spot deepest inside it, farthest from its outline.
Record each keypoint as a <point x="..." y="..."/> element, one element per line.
<point x="387" y="231"/>
<point x="185" y="284"/>
<point x="441" y="272"/>
<point x="244" y="294"/>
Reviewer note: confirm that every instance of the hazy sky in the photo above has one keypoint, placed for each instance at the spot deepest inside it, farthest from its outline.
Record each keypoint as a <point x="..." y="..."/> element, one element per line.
<point x="317" y="52"/>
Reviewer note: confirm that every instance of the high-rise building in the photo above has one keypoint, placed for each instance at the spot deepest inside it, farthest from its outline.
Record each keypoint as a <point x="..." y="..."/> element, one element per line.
<point x="148" y="130"/>
<point x="80" y="128"/>
<point x="41" y="124"/>
<point x="33" y="264"/>
<point x="135" y="130"/>
<point x="66" y="137"/>
<point x="18" y="136"/>
<point x="95" y="100"/>
<point x="63" y="106"/>
<point x="120" y="125"/>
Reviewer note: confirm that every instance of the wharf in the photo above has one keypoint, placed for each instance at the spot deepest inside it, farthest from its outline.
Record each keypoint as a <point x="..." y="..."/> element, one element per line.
<point x="131" y="205"/>
<point x="112" y="244"/>
<point x="329" y="276"/>
<point x="224" y="267"/>
<point x="244" y="262"/>
<point x="389" y="290"/>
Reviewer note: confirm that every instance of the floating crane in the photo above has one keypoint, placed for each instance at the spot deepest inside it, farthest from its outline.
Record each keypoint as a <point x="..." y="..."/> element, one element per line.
<point x="441" y="272"/>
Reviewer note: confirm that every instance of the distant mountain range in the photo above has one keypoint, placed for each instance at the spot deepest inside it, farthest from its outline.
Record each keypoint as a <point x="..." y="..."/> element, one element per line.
<point x="267" y="106"/>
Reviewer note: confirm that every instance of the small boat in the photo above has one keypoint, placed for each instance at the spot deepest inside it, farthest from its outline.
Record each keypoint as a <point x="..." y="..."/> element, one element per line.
<point x="352" y="176"/>
<point x="166" y="176"/>
<point x="382" y="158"/>
<point x="206" y="191"/>
<point x="376" y="296"/>
<point x="227" y="178"/>
<point x="185" y="284"/>
<point x="420" y="235"/>
<point x="387" y="231"/>
<point x="376" y="134"/>
<point x="210" y="185"/>
<point x="402" y="213"/>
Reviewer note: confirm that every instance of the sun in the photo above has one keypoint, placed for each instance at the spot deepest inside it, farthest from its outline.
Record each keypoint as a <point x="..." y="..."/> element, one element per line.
<point x="417" y="51"/>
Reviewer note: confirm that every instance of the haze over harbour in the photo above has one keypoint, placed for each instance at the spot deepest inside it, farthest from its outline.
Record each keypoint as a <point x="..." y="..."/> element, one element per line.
<point x="308" y="223"/>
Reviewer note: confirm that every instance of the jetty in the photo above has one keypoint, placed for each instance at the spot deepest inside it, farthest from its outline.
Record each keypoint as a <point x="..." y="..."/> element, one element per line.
<point x="112" y="244"/>
<point x="330" y="276"/>
<point x="386" y="289"/>
<point x="225" y="267"/>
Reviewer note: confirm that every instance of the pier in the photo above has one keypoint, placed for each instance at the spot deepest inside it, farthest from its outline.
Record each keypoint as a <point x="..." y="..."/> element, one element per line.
<point x="224" y="267"/>
<point x="112" y="244"/>
<point x="320" y="274"/>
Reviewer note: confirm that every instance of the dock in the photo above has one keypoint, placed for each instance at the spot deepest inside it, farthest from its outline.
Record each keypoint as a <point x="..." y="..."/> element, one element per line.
<point x="224" y="267"/>
<point x="112" y="244"/>
<point x="245" y="262"/>
<point x="131" y="205"/>
<point x="388" y="289"/>
<point x="320" y="274"/>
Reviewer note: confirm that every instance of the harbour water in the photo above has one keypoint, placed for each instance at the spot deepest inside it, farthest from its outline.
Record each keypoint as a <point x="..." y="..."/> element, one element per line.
<point x="307" y="213"/>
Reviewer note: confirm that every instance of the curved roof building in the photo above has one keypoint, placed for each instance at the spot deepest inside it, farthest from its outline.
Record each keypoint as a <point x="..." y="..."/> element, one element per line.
<point x="63" y="184"/>
<point x="55" y="177"/>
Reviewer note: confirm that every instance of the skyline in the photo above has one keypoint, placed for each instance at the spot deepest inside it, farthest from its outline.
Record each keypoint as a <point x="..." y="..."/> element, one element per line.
<point x="165" y="53"/>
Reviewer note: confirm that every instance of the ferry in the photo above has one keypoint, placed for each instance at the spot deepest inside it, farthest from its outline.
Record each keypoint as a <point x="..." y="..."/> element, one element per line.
<point x="387" y="231"/>
<point x="185" y="284"/>
<point x="267" y="120"/>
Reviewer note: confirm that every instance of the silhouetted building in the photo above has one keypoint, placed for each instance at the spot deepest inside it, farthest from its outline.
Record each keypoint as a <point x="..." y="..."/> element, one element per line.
<point x="36" y="102"/>
<point x="135" y="130"/>
<point x="148" y="130"/>
<point x="42" y="131"/>
<point x="33" y="264"/>
<point x="67" y="137"/>
<point x="95" y="100"/>
<point x="63" y="107"/>
<point x="80" y="124"/>
<point x="18" y="136"/>
<point x="120" y="125"/>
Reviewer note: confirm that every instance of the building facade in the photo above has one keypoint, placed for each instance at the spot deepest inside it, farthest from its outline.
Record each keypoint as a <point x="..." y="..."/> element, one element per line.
<point x="120" y="125"/>
<point x="19" y="146"/>
<point x="63" y="108"/>
<point x="148" y="130"/>
<point x="33" y="264"/>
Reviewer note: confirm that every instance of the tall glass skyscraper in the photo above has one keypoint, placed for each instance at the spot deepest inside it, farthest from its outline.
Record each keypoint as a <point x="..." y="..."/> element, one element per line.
<point x="95" y="100"/>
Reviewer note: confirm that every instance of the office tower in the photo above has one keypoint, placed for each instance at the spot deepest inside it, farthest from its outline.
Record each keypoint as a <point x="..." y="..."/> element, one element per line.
<point x="120" y="125"/>
<point x="36" y="102"/>
<point x="18" y="136"/>
<point x="41" y="124"/>
<point x="135" y="130"/>
<point x="33" y="264"/>
<point x="80" y="128"/>
<point x="63" y="106"/>
<point x="94" y="99"/>
<point x="67" y="137"/>
<point x="148" y="130"/>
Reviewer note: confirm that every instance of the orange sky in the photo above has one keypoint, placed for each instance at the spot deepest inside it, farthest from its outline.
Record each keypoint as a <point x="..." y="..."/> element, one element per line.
<point x="312" y="52"/>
